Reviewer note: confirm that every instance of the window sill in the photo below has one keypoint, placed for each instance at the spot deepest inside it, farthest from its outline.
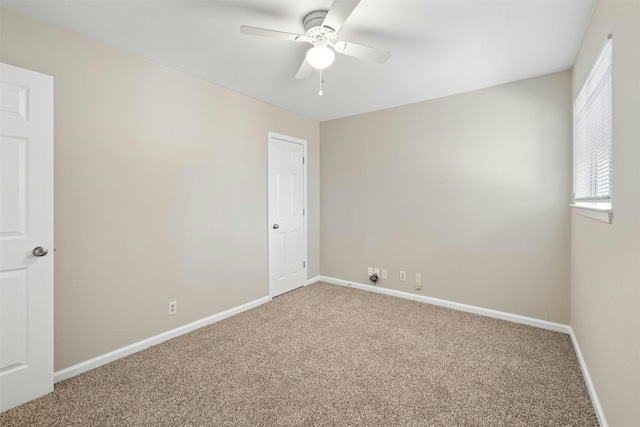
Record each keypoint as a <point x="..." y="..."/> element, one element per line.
<point x="594" y="211"/>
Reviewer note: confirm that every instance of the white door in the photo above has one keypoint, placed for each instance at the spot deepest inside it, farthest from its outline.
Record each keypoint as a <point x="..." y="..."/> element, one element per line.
<point x="287" y="205"/>
<point x="26" y="223"/>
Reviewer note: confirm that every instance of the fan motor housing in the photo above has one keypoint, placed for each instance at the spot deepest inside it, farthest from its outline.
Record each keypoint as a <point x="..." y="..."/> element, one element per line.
<point x="314" y="19"/>
<point x="313" y="26"/>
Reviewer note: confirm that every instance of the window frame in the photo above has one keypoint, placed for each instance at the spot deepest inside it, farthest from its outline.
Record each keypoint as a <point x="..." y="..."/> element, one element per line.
<point x="593" y="171"/>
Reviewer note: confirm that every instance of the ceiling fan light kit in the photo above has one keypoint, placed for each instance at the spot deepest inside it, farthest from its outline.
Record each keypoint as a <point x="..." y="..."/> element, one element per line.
<point x="320" y="57"/>
<point x="321" y="30"/>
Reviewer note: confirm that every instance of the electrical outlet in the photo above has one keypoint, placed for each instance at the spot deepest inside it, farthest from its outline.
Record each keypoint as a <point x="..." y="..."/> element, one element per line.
<point x="369" y="271"/>
<point x="418" y="286"/>
<point x="376" y="271"/>
<point x="173" y="307"/>
<point x="418" y="278"/>
<point x="384" y="274"/>
<point x="403" y="276"/>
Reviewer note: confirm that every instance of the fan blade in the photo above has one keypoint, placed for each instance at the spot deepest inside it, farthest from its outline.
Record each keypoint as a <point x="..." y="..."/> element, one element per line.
<point x="338" y="13"/>
<point x="255" y="31"/>
<point x="363" y="52"/>
<point x="305" y="70"/>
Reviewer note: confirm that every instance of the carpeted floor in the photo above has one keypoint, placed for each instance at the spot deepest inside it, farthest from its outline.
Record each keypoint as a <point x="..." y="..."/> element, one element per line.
<point x="326" y="355"/>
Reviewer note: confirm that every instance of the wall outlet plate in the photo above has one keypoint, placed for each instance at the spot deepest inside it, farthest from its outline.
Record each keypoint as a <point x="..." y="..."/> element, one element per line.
<point x="173" y="307"/>
<point x="403" y="276"/>
<point x="384" y="274"/>
<point x="418" y="286"/>
<point x="376" y="271"/>
<point x="418" y="278"/>
<point x="369" y="271"/>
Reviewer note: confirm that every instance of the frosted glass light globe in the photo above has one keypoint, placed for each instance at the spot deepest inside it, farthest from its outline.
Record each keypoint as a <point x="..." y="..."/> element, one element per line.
<point x="320" y="57"/>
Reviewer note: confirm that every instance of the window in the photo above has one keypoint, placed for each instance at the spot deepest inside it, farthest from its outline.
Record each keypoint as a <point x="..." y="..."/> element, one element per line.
<point x="592" y="153"/>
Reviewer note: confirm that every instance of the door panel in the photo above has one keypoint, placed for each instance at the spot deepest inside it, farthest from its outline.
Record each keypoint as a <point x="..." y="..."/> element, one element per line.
<point x="26" y="222"/>
<point x="13" y="181"/>
<point x="13" y="318"/>
<point x="287" y="229"/>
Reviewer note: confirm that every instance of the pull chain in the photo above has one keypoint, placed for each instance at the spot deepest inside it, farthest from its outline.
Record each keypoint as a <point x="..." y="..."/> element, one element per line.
<point x="321" y="83"/>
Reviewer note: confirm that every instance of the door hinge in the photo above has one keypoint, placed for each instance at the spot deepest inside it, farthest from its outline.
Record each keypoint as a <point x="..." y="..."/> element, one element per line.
<point x="304" y="264"/>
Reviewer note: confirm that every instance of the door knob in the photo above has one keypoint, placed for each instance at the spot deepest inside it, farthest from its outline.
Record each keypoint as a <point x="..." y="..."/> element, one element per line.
<point x="40" y="251"/>
<point x="276" y="226"/>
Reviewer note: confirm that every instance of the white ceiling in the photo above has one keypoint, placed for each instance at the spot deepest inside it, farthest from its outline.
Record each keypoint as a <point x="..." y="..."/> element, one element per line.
<point x="438" y="48"/>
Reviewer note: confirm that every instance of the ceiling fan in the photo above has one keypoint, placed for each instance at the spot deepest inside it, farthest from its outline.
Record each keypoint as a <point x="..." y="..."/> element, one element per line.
<point x="321" y="30"/>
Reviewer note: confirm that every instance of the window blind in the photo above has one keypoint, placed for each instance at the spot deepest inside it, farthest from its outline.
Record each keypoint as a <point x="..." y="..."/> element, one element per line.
<point x="592" y="133"/>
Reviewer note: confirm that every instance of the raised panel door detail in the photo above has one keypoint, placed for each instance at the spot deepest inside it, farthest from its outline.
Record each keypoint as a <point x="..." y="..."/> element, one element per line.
<point x="13" y="186"/>
<point x="283" y="196"/>
<point x="13" y="101"/>
<point x="13" y="320"/>
<point x="280" y="242"/>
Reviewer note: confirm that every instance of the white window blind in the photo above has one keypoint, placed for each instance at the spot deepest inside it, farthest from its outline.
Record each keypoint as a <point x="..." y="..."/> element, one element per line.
<point x="592" y="133"/>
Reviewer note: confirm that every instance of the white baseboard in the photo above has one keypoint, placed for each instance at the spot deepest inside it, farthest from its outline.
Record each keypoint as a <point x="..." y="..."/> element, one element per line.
<point x="85" y="366"/>
<point x="312" y="280"/>
<point x="587" y="380"/>
<point x="544" y="324"/>
<point x="558" y="327"/>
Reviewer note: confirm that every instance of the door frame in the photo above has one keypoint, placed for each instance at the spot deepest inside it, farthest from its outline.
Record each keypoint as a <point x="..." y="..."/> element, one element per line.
<point x="303" y="142"/>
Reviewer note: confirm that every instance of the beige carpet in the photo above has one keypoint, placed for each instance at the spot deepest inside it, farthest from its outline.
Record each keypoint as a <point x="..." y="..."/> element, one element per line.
<point x="330" y="355"/>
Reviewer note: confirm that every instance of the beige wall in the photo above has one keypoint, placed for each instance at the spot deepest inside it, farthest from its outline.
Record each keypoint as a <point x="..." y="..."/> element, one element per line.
<point x="471" y="191"/>
<point x="605" y="258"/>
<point x="160" y="190"/>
